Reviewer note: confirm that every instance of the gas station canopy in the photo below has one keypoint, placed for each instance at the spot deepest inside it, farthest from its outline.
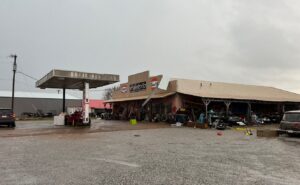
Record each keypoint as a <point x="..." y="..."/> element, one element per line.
<point x="61" y="79"/>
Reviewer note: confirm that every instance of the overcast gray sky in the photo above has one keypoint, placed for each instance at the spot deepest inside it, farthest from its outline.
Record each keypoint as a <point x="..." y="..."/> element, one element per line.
<point x="243" y="41"/>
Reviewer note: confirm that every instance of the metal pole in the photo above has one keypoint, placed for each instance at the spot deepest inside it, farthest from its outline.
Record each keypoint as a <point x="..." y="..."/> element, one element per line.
<point x="249" y="112"/>
<point x="14" y="78"/>
<point x="64" y="100"/>
<point x="206" y="111"/>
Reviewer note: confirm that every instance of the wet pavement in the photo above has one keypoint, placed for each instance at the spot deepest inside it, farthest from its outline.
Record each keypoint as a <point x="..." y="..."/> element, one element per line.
<point x="169" y="156"/>
<point x="45" y="127"/>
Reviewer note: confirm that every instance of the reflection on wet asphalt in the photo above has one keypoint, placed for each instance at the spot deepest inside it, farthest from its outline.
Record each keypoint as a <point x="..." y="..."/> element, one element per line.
<point x="293" y="141"/>
<point x="42" y="127"/>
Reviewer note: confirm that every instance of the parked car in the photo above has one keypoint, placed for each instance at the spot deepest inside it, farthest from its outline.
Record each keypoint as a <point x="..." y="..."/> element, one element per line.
<point x="233" y="120"/>
<point x="290" y="123"/>
<point x="7" y="117"/>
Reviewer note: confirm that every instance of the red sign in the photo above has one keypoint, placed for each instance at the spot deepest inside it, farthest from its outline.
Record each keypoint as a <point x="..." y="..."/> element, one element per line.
<point x="154" y="83"/>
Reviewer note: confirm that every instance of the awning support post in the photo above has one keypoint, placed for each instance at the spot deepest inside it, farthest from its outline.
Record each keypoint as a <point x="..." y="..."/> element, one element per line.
<point x="86" y="103"/>
<point x="227" y="103"/>
<point x="249" y="112"/>
<point x="206" y="103"/>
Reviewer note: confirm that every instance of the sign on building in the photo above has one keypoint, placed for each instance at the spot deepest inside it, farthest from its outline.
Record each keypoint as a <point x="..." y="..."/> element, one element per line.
<point x="137" y="87"/>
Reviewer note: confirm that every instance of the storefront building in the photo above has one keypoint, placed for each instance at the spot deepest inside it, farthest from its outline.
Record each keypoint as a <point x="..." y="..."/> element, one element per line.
<point x="196" y="97"/>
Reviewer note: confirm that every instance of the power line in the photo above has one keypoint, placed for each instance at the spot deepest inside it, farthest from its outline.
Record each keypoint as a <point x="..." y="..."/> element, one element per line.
<point x="33" y="78"/>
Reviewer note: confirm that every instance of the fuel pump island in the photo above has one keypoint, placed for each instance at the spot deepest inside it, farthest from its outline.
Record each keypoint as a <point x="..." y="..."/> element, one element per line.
<point x="62" y="79"/>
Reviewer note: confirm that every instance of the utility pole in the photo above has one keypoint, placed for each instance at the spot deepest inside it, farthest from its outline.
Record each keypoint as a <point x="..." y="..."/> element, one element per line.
<point x="13" y="85"/>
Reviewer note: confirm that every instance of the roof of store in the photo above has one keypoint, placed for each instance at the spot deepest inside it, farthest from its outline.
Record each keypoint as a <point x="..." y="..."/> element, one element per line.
<point x="44" y="95"/>
<point x="222" y="90"/>
<point x="156" y="96"/>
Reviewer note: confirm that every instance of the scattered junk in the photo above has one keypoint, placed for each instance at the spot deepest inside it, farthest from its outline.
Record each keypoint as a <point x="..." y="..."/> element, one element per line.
<point x="38" y="113"/>
<point x="159" y="118"/>
<point x="182" y="116"/>
<point x="220" y="124"/>
<point x="240" y="129"/>
<point x="234" y="119"/>
<point x="106" y="116"/>
<point x="267" y="133"/>
<point x="133" y="121"/>
<point x="201" y="118"/>
<point x="219" y="133"/>
<point x="59" y="120"/>
<point x="248" y="132"/>
<point x="177" y="124"/>
<point x="262" y="119"/>
<point x="240" y="123"/>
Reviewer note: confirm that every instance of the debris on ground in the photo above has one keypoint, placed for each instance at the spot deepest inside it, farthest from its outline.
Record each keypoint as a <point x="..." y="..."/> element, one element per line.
<point x="267" y="133"/>
<point x="178" y="124"/>
<point x="219" y="133"/>
<point x="248" y="132"/>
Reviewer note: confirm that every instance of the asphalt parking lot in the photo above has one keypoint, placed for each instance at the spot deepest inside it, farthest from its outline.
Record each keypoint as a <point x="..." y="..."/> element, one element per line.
<point x="151" y="156"/>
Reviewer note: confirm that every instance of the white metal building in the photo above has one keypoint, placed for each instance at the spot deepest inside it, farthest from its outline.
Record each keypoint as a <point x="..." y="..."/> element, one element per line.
<point x="32" y="102"/>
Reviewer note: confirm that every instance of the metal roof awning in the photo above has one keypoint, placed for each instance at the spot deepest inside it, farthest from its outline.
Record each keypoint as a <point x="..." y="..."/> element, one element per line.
<point x="61" y="79"/>
<point x="156" y="96"/>
<point x="221" y="90"/>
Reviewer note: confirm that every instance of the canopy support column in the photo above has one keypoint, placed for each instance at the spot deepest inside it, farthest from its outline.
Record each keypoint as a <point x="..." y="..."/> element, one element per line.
<point x="86" y="103"/>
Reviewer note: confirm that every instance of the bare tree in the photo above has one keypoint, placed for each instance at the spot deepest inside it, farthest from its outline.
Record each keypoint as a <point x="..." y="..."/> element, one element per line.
<point x="109" y="91"/>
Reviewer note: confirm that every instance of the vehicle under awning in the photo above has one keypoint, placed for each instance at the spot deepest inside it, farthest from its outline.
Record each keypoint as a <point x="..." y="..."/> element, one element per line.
<point x="62" y="79"/>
